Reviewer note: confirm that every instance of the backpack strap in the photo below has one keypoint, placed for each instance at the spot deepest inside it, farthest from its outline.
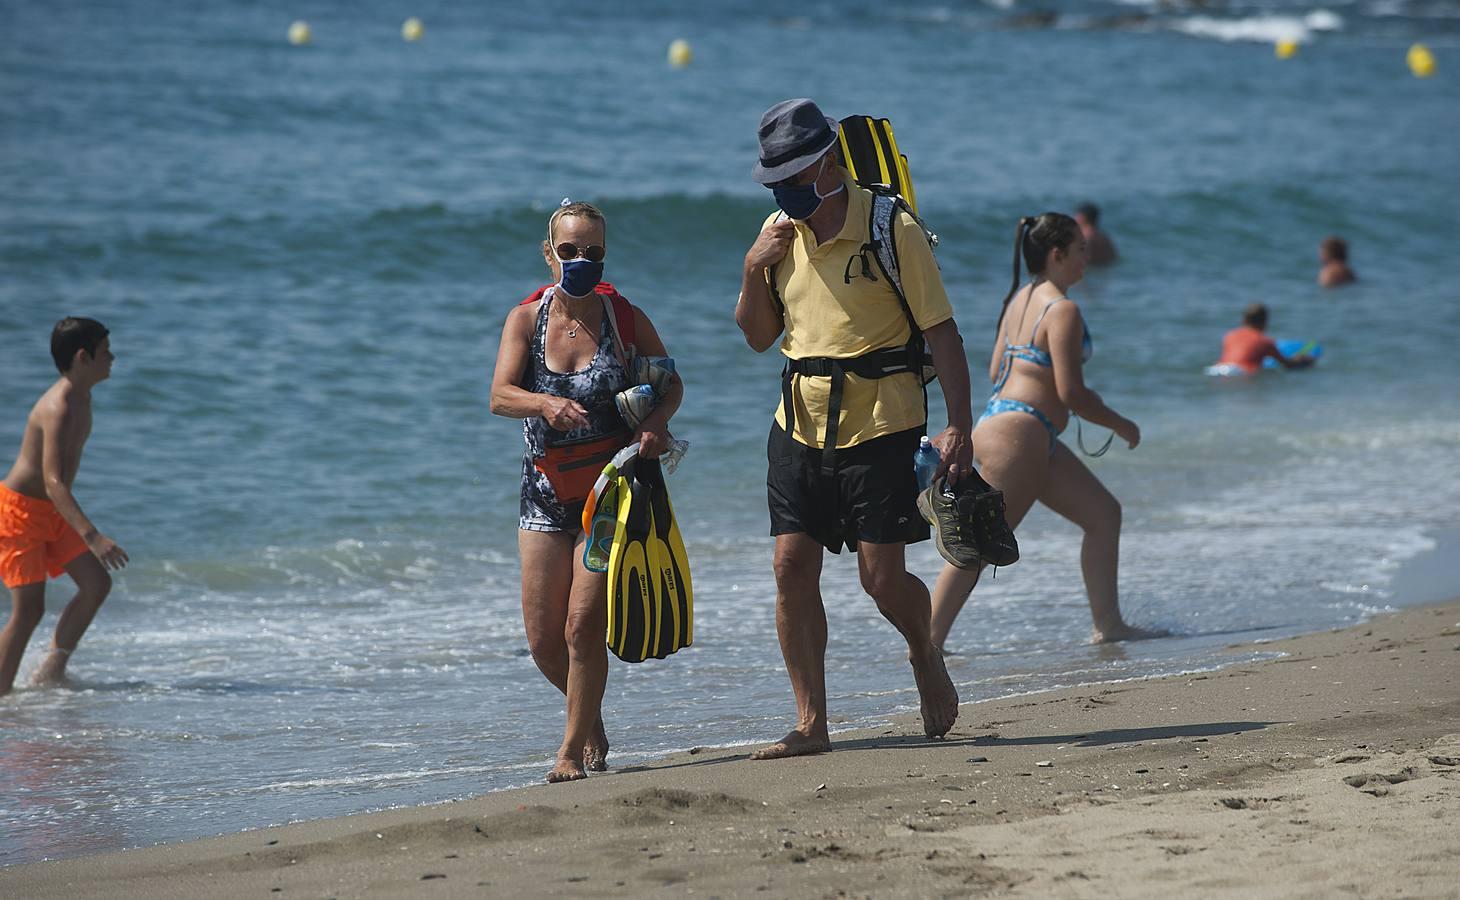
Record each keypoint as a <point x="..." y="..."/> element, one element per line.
<point x="883" y="247"/>
<point x="883" y="244"/>
<point x="770" y="276"/>
<point x="619" y="314"/>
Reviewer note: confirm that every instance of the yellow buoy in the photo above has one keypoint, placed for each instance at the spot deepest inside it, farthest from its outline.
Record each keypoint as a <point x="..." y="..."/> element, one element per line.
<point x="680" y="54"/>
<point x="299" y="33"/>
<point x="1286" y="48"/>
<point x="412" y="29"/>
<point x="1421" y="61"/>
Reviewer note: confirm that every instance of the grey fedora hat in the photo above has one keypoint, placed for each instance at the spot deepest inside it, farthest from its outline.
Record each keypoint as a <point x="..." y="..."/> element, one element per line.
<point x="793" y="133"/>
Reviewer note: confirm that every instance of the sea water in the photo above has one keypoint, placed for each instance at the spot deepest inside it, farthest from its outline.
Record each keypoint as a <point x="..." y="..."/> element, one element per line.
<point x="305" y="255"/>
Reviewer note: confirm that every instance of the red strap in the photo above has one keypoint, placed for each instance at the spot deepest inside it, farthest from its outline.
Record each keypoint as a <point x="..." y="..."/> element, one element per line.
<point x="623" y="312"/>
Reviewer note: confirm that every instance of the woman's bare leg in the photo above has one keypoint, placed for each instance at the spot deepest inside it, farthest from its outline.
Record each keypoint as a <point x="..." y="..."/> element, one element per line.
<point x="547" y="579"/>
<point x="585" y="635"/>
<point x="1013" y="455"/>
<point x="551" y="579"/>
<point x="1074" y="492"/>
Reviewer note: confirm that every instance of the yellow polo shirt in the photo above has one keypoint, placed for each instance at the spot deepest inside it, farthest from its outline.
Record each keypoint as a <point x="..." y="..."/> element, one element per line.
<point x="827" y="317"/>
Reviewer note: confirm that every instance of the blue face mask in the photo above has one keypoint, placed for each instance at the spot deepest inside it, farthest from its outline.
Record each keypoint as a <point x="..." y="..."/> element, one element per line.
<point x="801" y="201"/>
<point x="580" y="276"/>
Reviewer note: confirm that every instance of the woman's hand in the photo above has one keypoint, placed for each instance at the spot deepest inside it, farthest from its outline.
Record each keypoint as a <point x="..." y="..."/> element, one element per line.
<point x="562" y="414"/>
<point x="653" y="441"/>
<point x="1129" y="432"/>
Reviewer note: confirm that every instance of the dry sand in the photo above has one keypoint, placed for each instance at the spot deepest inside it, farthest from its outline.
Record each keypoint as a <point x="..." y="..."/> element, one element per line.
<point x="1331" y="772"/>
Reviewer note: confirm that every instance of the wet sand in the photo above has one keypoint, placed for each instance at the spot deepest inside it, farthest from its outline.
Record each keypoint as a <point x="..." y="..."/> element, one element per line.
<point x="1331" y="771"/>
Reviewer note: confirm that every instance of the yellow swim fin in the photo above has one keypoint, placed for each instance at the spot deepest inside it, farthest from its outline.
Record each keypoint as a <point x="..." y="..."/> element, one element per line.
<point x="674" y="627"/>
<point x="650" y="605"/>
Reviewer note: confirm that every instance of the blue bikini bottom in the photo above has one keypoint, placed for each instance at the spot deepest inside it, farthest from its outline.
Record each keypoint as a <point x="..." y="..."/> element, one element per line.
<point x="999" y="405"/>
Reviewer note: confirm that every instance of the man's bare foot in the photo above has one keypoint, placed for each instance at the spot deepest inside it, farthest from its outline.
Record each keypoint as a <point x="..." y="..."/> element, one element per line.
<point x="936" y="691"/>
<point x="595" y="752"/>
<point x="794" y="744"/>
<point x="52" y="671"/>
<point x="567" y="769"/>
<point x="1124" y="632"/>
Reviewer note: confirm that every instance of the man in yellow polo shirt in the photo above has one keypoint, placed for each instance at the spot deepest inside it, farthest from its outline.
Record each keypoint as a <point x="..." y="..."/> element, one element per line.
<point x="846" y="479"/>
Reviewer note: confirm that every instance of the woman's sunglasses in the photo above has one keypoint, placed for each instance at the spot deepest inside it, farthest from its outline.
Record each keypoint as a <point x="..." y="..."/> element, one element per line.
<point x="568" y="250"/>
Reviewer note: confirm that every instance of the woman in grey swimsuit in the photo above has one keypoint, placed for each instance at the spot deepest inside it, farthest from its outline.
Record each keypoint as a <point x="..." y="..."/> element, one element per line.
<point x="562" y="359"/>
<point x="1037" y="369"/>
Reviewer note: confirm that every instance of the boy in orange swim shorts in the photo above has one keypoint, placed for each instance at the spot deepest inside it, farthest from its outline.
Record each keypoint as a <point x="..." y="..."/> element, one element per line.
<point x="42" y="528"/>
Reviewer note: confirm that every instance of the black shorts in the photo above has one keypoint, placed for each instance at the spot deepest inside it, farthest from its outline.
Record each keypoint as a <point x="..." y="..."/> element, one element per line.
<point x="872" y="497"/>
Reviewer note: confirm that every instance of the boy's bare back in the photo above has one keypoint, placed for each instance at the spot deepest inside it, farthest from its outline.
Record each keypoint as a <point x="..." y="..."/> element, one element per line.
<point x="60" y="420"/>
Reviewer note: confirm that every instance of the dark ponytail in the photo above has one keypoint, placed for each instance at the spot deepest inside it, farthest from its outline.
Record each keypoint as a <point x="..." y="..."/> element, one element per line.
<point x="1034" y="239"/>
<point x="1019" y="233"/>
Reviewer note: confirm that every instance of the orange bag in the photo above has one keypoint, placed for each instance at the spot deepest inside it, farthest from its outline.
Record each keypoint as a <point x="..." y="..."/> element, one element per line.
<point x="573" y="468"/>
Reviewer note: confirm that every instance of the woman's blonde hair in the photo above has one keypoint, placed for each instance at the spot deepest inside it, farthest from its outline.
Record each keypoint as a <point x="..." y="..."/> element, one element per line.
<point x="574" y="208"/>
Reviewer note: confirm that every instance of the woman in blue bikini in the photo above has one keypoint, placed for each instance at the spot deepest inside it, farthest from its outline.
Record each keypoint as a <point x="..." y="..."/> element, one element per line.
<point x="1037" y="373"/>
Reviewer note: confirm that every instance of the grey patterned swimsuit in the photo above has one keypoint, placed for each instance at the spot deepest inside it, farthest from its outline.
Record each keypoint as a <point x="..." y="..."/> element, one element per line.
<point x="593" y="388"/>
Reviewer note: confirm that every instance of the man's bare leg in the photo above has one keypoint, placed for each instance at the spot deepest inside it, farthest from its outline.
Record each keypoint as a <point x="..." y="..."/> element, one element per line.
<point x="27" y="606"/>
<point x="903" y="600"/>
<point x="801" y="626"/>
<point x="92" y="586"/>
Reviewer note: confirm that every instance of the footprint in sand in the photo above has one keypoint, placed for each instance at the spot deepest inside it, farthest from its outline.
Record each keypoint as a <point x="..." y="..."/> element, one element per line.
<point x="1376" y="784"/>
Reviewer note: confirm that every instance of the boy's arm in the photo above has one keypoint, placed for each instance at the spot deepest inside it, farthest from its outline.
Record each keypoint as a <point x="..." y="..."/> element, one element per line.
<point x="59" y="446"/>
<point x="1301" y="361"/>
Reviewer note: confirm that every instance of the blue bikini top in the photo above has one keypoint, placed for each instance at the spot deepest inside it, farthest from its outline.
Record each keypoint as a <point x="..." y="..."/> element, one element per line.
<point x="1030" y="353"/>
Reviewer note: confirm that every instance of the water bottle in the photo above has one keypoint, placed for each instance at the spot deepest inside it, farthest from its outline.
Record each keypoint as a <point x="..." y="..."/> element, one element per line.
<point x="925" y="463"/>
<point x="672" y="456"/>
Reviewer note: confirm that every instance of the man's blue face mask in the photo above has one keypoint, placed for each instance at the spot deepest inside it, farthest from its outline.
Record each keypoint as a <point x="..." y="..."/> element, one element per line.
<point x="801" y="201"/>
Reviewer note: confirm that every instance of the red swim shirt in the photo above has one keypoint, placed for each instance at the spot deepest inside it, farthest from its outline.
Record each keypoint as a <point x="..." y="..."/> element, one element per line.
<point x="1246" y="347"/>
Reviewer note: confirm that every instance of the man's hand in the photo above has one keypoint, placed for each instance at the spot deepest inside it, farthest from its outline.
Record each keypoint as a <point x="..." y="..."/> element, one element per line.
<point x="955" y="449"/>
<point x="106" y="550"/>
<point x="563" y="414"/>
<point x="771" y="245"/>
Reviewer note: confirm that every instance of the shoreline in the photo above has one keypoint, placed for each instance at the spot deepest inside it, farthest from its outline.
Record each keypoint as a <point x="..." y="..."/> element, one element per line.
<point x="1052" y="793"/>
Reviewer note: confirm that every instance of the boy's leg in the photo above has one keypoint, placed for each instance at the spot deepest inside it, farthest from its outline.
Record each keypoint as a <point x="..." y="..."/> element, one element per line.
<point x="27" y="605"/>
<point x="92" y="585"/>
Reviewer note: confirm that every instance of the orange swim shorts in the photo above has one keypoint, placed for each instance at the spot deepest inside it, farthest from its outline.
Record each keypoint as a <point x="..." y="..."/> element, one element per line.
<point x="34" y="539"/>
